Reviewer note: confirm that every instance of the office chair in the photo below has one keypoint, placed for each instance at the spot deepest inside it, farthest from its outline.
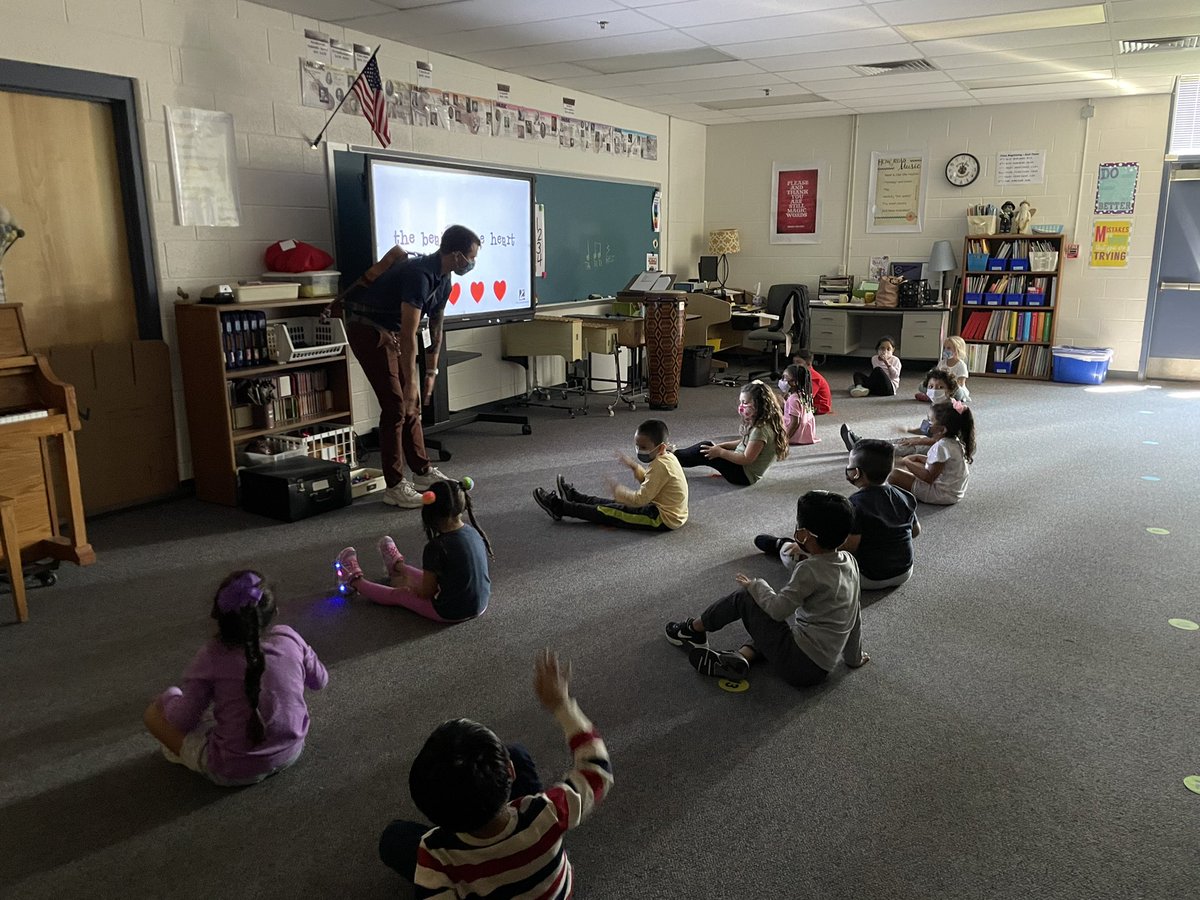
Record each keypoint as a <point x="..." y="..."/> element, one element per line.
<point x="784" y="301"/>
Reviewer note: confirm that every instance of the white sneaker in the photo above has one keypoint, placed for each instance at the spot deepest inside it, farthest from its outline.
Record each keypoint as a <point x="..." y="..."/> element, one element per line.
<point x="425" y="482"/>
<point x="859" y="390"/>
<point x="403" y="495"/>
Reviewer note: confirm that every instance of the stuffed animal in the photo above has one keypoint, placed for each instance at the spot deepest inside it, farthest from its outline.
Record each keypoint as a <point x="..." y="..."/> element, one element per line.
<point x="1022" y="221"/>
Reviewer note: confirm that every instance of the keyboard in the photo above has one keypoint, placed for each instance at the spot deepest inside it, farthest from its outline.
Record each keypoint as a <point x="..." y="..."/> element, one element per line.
<point x="24" y="416"/>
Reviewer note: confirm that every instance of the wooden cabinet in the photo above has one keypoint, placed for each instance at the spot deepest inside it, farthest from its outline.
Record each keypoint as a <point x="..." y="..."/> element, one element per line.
<point x="1007" y="305"/>
<point x="206" y="385"/>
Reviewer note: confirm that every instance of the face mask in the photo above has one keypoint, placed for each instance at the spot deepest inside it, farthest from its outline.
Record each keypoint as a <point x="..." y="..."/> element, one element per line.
<point x="783" y="386"/>
<point x="466" y="267"/>
<point x="745" y="409"/>
<point x="946" y="354"/>
<point x="936" y="395"/>
<point x="645" y="457"/>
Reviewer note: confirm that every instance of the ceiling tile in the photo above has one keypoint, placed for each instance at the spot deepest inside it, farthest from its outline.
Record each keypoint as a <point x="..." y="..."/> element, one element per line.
<point x="1181" y="62"/>
<point x="882" y="86"/>
<point x="1033" y="67"/>
<point x="746" y="28"/>
<point x="1156" y="27"/>
<point x="331" y="10"/>
<point x="471" y="15"/>
<point x="573" y="51"/>
<point x="695" y="13"/>
<point x="879" y="82"/>
<point x="709" y="70"/>
<point x="551" y="72"/>
<point x="788" y="90"/>
<point x="758" y="80"/>
<point x="1130" y="10"/>
<point x="1015" y="40"/>
<point x="803" y="76"/>
<point x="842" y="40"/>
<point x="907" y="12"/>
<point x="919" y="105"/>
<point x="1049" y="55"/>
<point x="551" y="31"/>
<point x="972" y="83"/>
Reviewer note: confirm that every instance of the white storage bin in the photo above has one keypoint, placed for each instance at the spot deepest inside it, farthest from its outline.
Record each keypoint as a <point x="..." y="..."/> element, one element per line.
<point x="318" y="283"/>
<point x="305" y="339"/>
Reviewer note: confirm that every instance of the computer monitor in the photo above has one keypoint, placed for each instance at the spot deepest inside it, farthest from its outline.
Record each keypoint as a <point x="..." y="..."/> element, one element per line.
<point x="708" y="268"/>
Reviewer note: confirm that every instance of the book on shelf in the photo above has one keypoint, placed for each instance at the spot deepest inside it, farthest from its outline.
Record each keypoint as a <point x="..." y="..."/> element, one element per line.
<point x="1007" y="325"/>
<point x="297" y="395"/>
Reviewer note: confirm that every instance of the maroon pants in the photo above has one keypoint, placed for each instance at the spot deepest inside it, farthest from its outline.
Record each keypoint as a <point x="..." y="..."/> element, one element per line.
<point x="401" y="439"/>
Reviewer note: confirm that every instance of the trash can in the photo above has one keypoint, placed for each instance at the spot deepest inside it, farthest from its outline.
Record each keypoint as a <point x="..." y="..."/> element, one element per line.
<point x="1081" y="365"/>
<point x="697" y="366"/>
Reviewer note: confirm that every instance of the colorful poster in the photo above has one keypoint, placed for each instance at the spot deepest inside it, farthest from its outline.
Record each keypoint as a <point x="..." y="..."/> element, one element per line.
<point x="896" y="193"/>
<point x="1110" y="243"/>
<point x="1116" y="188"/>
<point x="796" y="203"/>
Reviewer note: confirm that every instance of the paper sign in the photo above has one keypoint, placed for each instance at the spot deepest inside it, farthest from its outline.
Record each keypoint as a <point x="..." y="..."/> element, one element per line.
<point x="1021" y="167"/>
<point x="568" y="106"/>
<point x="204" y="167"/>
<point x="1110" y="243"/>
<point x="896" y="193"/>
<point x="341" y="56"/>
<point x="317" y="46"/>
<point x="539" y="240"/>
<point x="502" y="91"/>
<point x="424" y="74"/>
<point x="1116" y="188"/>
<point x="796" y="204"/>
<point x="651" y="262"/>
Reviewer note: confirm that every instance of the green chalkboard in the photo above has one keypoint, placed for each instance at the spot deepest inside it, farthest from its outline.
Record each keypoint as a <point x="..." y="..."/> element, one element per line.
<point x="597" y="236"/>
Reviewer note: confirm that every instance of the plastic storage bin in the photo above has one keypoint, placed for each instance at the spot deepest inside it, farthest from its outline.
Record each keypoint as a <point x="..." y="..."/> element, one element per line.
<point x="1081" y="365"/>
<point x="278" y="446"/>
<point x="305" y="339"/>
<point x="320" y="283"/>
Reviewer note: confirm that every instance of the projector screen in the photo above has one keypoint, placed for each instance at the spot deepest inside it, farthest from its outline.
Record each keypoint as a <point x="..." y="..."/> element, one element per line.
<point x="413" y="203"/>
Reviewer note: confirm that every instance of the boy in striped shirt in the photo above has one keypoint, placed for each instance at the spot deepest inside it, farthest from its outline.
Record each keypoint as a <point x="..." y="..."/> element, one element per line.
<point x="496" y="833"/>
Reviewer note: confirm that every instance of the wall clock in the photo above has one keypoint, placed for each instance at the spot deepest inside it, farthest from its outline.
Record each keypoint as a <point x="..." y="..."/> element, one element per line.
<point x="962" y="169"/>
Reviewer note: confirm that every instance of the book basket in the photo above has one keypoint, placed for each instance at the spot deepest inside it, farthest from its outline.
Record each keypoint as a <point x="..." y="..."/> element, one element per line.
<point x="305" y="339"/>
<point x="334" y="443"/>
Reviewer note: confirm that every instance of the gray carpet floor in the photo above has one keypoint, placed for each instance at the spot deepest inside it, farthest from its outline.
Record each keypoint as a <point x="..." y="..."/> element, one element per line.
<point x="1022" y="730"/>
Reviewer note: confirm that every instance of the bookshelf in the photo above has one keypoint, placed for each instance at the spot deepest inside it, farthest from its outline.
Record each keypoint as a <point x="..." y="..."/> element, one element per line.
<point x="209" y="384"/>
<point x="1007" y="303"/>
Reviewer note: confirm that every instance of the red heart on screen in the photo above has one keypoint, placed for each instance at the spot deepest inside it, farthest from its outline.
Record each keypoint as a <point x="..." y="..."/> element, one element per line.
<point x="499" y="287"/>
<point x="477" y="290"/>
<point x="455" y="290"/>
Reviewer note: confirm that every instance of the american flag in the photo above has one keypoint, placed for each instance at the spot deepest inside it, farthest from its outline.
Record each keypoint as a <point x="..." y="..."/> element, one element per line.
<point x="369" y="88"/>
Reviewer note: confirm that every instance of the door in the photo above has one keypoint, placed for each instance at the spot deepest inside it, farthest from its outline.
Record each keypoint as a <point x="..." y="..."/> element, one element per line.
<point x="59" y="178"/>
<point x="1171" y="342"/>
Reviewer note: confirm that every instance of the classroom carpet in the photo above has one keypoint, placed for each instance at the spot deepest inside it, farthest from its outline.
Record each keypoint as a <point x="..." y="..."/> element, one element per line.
<point x="1023" y="729"/>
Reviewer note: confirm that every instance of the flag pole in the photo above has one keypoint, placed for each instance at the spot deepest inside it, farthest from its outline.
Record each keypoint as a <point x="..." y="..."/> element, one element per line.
<point x="315" y="142"/>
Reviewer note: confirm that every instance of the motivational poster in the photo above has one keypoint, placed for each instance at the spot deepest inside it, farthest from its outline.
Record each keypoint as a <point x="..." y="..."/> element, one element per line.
<point x="796" y="203"/>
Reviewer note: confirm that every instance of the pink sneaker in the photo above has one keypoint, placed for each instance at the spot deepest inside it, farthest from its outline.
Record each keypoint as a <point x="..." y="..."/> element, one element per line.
<point x="392" y="558"/>
<point x="347" y="569"/>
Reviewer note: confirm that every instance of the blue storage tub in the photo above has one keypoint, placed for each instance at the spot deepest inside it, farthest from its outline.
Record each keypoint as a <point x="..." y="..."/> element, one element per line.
<point x="972" y="299"/>
<point x="1014" y="299"/>
<point x="1081" y="365"/>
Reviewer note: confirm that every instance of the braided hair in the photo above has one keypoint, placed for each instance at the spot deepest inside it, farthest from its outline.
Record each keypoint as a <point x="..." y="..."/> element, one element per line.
<point x="768" y="412"/>
<point x="451" y="499"/>
<point x="803" y="379"/>
<point x="243" y="628"/>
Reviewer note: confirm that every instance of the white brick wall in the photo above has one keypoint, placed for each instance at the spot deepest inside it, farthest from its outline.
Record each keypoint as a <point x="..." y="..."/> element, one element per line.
<point x="1104" y="306"/>
<point x="240" y="57"/>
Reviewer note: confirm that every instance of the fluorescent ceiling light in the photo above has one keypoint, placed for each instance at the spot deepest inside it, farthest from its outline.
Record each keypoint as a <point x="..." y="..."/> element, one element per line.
<point x="643" y="62"/>
<point x="1007" y="22"/>
<point x="752" y="102"/>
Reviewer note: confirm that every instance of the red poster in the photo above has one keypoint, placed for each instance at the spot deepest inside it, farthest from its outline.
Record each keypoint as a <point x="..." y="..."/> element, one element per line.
<point x="796" y="202"/>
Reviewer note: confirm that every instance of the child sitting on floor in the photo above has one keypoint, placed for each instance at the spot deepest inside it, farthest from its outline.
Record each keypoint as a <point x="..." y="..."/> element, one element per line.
<point x="659" y="504"/>
<point x="745" y="461"/>
<point x="803" y="628"/>
<point x="496" y="832"/>
<point x="885" y="521"/>
<point x="453" y="583"/>
<point x="821" y="394"/>
<point x="941" y="475"/>
<point x="253" y="675"/>
<point x="884" y="378"/>
<point x="799" y="422"/>
<point x="954" y="361"/>
<point x="939" y="385"/>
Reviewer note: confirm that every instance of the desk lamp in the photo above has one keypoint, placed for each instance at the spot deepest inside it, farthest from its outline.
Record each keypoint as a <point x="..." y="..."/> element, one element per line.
<point x="721" y="243"/>
<point x="941" y="260"/>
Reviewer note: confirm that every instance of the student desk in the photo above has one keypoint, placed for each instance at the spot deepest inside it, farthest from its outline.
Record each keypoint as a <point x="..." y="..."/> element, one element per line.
<point x="846" y="329"/>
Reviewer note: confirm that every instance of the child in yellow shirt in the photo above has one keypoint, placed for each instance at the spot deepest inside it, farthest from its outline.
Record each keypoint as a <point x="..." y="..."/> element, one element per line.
<point x="659" y="504"/>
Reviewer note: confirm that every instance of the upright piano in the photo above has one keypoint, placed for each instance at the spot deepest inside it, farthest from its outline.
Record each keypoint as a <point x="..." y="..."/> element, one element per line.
<point x="37" y="412"/>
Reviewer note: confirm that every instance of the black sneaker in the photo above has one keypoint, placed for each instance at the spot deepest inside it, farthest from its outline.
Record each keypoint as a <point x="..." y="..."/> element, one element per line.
<point x="549" y="502"/>
<point x="769" y="544"/>
<point x="719" y="663"/>
<point x="849" y="438"/>
<point x="565" y="488"/>
<point x="681" y="635"/>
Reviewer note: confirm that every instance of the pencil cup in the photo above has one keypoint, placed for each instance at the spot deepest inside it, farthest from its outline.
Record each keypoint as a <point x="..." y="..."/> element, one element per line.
<point x="981" y="224"/>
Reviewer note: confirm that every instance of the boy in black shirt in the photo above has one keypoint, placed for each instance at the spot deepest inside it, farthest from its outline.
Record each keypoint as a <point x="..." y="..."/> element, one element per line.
<point x="885" y="521"/>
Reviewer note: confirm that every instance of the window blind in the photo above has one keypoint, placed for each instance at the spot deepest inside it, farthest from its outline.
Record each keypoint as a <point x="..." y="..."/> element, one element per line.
<point x="1184" y="139"/>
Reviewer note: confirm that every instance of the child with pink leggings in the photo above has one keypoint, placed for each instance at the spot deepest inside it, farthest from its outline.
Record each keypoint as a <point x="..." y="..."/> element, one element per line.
<point x="453" y="583"/>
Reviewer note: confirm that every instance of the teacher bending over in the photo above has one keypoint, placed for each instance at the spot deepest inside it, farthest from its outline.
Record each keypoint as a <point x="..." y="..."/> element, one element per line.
<point x="383" y="312"/>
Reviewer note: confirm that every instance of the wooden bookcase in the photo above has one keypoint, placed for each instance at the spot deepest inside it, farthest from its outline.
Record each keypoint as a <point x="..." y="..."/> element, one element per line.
<point x="214" y="440"/>
<point x="1020" y="318"/>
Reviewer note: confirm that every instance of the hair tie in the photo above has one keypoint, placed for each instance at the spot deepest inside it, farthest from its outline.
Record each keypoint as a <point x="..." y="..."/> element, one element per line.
<point x="243" y="591"/>
<point x="467" y="482"/>
<point x="428" y="497"/>
<point x="958" y="405"/>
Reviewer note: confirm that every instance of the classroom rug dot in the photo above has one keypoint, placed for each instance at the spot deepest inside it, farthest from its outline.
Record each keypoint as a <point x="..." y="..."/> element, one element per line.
<point x="1151" y="478"/>
<point x="1146" y="412"/>
<point x="1192" y="783"/>
<point x="734" y="687"/>
<point x="1152" y="443"/>
<point x="1158" y="531"/>
<point x="1183" y="624"/>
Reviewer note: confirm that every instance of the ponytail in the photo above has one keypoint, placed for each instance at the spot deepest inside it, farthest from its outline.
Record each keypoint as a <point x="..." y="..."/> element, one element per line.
<point x="445" y="500"/>
<point x="959" y="423"/>
<point x="244" y="607"/>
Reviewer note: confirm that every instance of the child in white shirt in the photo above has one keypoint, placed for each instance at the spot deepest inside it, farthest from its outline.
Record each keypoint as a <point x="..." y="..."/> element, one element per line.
<point x="884" y="378"/>
<point x="941" y="475"/>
